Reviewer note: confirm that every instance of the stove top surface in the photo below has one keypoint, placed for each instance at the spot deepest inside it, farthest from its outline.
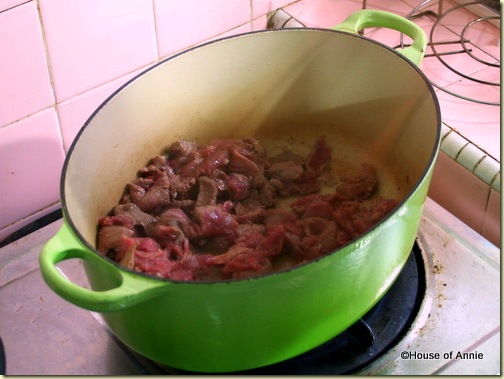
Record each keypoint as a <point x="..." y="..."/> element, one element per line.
<point x="455" y="329"/>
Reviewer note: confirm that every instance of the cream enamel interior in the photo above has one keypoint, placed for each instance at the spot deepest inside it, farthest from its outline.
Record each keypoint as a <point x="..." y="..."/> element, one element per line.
<point x="287" y="87"/>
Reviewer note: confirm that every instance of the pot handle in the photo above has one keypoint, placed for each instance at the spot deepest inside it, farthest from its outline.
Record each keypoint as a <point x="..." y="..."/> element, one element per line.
<point x="128" y="291"/>
<point x="374" y="18"/>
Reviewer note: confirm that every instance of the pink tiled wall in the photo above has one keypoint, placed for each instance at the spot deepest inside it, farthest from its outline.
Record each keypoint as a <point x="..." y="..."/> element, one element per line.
<point x="60" y="59"/>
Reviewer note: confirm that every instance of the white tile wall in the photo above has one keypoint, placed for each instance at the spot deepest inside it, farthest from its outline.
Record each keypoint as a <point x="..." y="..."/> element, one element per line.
<point x="30" y="182"/>
<point x="25" y="86"/>
<point x="91" y="42"/>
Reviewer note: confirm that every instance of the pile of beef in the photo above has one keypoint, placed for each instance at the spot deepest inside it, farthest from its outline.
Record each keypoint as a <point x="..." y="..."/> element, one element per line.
<point x="209" y="212"/>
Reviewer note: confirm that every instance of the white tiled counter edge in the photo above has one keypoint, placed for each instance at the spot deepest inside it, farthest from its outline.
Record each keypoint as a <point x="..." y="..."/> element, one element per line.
<point x="470" y="156"/>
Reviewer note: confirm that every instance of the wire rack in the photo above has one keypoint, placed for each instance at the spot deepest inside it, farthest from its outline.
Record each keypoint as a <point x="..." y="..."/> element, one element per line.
<point x="435" y="10"/>
<point x="463" y="45"/>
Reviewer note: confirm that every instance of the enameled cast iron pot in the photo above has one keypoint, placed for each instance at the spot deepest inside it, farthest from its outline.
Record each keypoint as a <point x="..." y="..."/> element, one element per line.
<point x="286" y="88"/>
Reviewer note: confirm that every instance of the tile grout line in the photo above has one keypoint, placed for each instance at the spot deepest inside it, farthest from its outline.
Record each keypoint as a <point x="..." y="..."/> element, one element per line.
<point x="51" y="78"/>
<point x="155" y="30"/>
<point x="14" y="6"/>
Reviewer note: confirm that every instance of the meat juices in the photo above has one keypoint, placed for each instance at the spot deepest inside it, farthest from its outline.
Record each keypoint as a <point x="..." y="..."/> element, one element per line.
<point x="211" y="212"/>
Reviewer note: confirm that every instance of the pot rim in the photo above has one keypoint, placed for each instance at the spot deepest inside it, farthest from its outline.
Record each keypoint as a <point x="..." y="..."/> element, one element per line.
<point x="432" y="158"/>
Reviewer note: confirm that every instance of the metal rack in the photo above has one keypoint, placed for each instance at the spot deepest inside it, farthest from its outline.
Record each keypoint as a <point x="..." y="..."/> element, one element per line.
<point x="280" y="19"/>
<point x="464" y="43"/>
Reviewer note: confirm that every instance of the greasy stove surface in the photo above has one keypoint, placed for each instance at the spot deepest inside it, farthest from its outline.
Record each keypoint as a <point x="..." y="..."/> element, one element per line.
<point x="43" y="334"/>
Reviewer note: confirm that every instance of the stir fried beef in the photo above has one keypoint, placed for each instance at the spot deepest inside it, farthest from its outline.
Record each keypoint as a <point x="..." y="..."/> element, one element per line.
<point x="209" y="212"/>
<point x="319" y="156"/>
<point x="361" y="185"/>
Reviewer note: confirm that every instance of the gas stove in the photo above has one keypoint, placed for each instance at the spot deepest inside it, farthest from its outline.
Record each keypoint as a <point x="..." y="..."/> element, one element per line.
<point x="442" y="316"/>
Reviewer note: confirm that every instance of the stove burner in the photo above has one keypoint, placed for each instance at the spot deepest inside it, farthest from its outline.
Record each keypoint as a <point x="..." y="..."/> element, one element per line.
<point x="366" y="340"/>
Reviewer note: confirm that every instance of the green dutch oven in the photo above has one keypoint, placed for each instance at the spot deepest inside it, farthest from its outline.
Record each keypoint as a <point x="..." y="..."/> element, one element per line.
<point x="286" y="88"/>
